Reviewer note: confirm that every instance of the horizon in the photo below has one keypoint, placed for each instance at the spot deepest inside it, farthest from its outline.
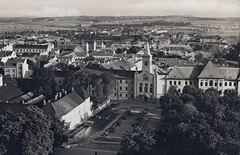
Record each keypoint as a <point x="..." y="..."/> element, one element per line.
<point x="66" y="8"/>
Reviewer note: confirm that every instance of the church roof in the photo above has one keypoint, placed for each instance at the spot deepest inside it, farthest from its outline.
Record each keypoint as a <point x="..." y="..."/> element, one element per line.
<point x="210" y="71"/>
<point x="147" y="50"/>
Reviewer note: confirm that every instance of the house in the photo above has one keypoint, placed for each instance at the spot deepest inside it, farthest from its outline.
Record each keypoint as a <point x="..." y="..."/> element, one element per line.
<point x="5" y="55"/>
<point x="73" y="108"/>
<point x="60" y="76"/>
<point x="16" y="68"/>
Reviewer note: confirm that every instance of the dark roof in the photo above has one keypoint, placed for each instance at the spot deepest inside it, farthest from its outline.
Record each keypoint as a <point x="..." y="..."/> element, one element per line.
<point x="5" y="54"/>
<point x="15" y="107"/>
<point x="30" y="55"/>
<point x="9" y="92"/>
<point x="13" y="62"/>
<point x="31" y="46"/>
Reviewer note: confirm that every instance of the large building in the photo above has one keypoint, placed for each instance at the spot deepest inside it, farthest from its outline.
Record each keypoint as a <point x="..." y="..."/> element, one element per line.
<point x="16" y="68"/>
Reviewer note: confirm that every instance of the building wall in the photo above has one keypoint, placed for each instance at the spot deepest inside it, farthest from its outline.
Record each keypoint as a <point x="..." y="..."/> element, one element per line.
<point x="79" y="114"/>
<point x="124" y="89"/>
<point x="181" y="83"/>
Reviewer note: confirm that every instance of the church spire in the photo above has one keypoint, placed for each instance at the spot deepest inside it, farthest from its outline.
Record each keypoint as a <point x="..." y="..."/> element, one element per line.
<point x="147" y="50"/>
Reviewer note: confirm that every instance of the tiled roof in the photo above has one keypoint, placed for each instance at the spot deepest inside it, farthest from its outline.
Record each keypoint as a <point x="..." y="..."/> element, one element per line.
<point x="66" y="104"/>
<point x="102" y="53"/>
<point x="5" y="54"/>
<point x="13" y="62"/>
<point x="210" y="71"/>
<point x="229" y="73"/>
<point x="185" y="72"/>
<point x="118" y="65"/>
<point x="30" y="55"/>
<point x="9" y="92"/>
<point x="81" y="54"/>
<point x="31" y="46"/>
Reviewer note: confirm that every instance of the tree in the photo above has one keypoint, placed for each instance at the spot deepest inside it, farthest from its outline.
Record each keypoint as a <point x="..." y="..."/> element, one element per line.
<point x="7" y="79"/>
<point x="199" y="122"/>
<point x="45" y="76"/>
<point x="30" y="132"/>
<point x="138" y="142"/>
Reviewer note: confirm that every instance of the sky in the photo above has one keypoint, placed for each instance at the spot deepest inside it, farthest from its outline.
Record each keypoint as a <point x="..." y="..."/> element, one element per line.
<point x="55" y="8"/>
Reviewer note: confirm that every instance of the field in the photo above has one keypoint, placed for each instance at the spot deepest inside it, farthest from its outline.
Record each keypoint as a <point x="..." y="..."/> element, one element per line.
<point x="72" y="23"/>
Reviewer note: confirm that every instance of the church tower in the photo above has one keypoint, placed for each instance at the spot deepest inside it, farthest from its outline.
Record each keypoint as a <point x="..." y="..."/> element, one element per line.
<point x="147" y="60"/>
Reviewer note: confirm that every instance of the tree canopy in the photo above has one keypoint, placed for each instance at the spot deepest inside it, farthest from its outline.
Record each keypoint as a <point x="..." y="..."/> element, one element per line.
<point x="30" y="132"/>
<point x="199" y="122"/>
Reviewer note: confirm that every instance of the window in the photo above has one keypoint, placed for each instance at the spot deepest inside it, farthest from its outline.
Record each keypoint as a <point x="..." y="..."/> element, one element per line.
<point x="140" y="87"/>
<point x="126" y="81"/>
<point x="230" y="83"/>
<point x="186" y="83"/>
<point x="206" y="83"/>
<point x="145" y="63"/>
<point x="145" y="77"/>
<point x="175" y="82"/>
<point x="216" y="83"/>
<point x="132" y="89"/>
<point x="146" y="88"/>
<point x="151" y="88"/>
<point x="234" y="83"/>
<point x="120" y="81"/>
<point x="170" y="82"/>
<point x="195" y="83"/>
<point x="120" y="95"/>
<point x="126" y="88"/>
<point x="115" y="94"/>
<point x="179" y="82"/>
<point x="225" y="83"/>
<point x="131" y="82"/>
<point x="125" y="95"/>
<point x="120" y="88"/>
<point x="59" y="81"/>
<point x="220" y="84"/>
<point x="201" y="83"/>
<point x="190" y="82"/>
<point x="211" y="83"/>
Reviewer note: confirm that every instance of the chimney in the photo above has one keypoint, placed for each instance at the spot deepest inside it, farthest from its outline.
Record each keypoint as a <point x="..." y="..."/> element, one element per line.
<point x="49" y="101"/>
<point x="72" y="88"/>
<point x="60" y="94"/>
<point x="65" y="92"/>
<point x="56" y="97"/>
<point x="87" y="47"/>
<point x="44" y="102"/>
<point x="22" y="101"/>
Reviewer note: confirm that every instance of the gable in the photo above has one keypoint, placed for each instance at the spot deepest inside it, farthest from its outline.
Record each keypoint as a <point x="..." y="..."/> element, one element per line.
<point x="210" y="71"/>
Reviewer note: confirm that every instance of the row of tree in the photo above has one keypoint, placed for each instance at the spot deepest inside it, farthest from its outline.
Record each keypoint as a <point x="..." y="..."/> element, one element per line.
<point x="194" y="122"/>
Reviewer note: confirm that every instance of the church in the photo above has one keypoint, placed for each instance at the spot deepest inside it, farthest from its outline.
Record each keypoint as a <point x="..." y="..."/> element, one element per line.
<point x="150" y="83"/>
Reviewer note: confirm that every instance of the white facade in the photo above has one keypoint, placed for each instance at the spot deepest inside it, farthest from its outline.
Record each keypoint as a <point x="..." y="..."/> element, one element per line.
<point x="79" y="114"/>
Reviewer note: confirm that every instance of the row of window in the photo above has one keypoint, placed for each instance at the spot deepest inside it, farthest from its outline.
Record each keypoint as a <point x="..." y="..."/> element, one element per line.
<point x="125" y="81"/>
<point x="180" y="82"/>
<point x="123" y="95"/>
<point x="30" y="50"/>
<point x="126" y="88"/>
<point x="211" y="83"/>
<point x="145" y="88"/>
